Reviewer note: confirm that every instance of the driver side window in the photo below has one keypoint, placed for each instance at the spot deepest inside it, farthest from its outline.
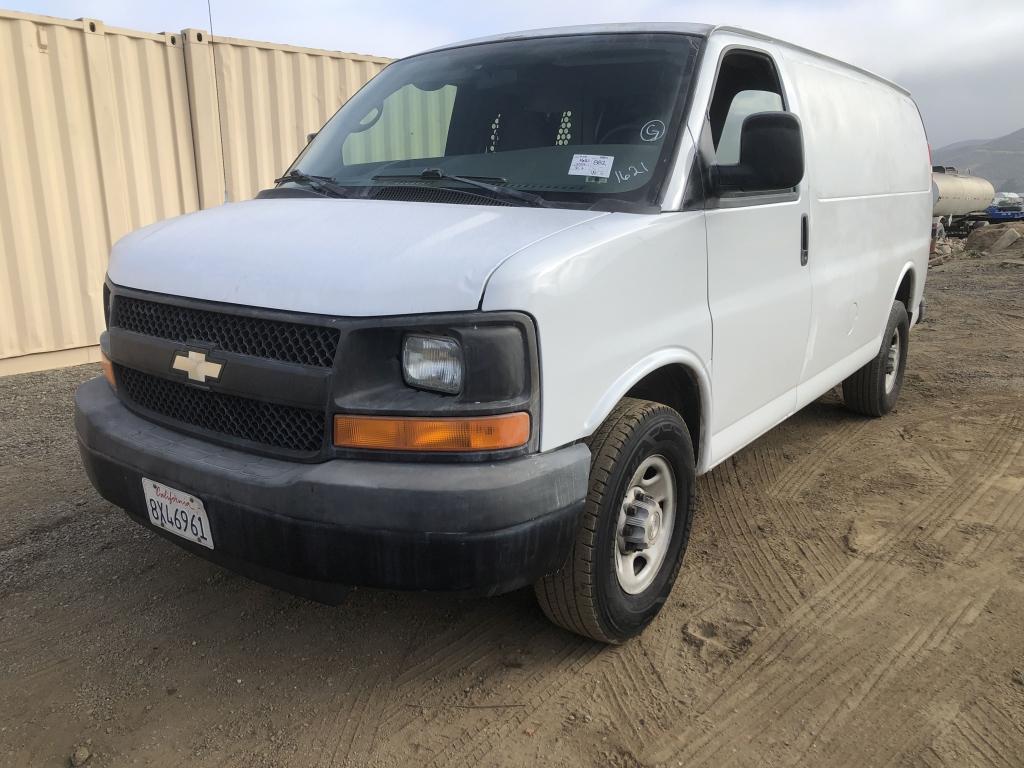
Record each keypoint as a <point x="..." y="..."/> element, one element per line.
<point x="747" y="83"/>
<point x="743" y="104"/>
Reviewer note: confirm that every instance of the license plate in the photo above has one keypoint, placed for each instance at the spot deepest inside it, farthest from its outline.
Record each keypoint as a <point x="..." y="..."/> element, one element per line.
<point x="176" y="511"/>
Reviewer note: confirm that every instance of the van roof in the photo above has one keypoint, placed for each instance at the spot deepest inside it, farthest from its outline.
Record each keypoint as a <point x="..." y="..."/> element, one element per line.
<point x="679" y="28"/>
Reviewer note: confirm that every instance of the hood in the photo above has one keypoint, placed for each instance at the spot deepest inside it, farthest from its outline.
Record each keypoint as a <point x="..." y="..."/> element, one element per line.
<point x="334" y="257"/>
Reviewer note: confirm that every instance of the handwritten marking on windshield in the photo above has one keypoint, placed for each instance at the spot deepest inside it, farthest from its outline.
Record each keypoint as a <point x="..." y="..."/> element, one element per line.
<point x="631" y="172"/>
<point x="652" y="130"/>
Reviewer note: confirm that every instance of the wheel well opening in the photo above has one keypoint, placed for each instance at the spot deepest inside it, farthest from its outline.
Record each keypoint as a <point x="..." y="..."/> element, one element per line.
<point x="905" y="292"/>
<point x="675" y="386"/>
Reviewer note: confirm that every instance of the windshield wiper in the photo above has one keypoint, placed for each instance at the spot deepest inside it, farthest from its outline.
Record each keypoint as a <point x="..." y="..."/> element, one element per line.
<point x="436" y="174"/>
<point x="324" y="185"/>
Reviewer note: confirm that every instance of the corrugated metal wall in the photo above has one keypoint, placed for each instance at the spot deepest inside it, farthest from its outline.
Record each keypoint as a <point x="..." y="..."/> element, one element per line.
<point x="106" y="130"/>
<point x="271" y="97"/>
<point x="94" y="142"/>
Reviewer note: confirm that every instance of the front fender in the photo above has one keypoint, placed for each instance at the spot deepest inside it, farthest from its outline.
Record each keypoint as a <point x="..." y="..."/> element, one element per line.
<point x="613" y="299"/>
<point x="652" y="362"/>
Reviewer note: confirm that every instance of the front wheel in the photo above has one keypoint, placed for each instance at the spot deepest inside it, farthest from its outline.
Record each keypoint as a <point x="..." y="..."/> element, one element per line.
<point x="635" y="526"/>
<point x="874" y="389"/>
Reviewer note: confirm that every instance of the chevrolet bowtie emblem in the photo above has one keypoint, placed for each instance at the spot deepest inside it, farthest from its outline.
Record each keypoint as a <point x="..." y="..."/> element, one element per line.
<point x="197" y="366"/>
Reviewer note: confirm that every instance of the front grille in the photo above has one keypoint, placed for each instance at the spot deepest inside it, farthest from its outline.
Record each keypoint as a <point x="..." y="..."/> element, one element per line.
<point x="277" y="426"/>
<point x="271" y="339"/>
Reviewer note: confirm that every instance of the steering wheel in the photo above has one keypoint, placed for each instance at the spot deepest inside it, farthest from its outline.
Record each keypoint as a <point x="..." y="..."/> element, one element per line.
<point x="619" y="129"/>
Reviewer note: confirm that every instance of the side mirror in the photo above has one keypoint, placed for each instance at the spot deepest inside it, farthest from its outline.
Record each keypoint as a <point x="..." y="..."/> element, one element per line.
<point x="771" y="155"/>
<point x="311" y="136"/>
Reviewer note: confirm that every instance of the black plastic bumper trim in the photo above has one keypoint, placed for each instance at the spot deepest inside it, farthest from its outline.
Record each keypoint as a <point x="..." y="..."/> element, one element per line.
<point x="480" y="528"/>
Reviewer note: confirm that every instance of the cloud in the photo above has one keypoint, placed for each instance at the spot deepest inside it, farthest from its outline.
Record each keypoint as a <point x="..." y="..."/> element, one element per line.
<point x="955" y="57"/>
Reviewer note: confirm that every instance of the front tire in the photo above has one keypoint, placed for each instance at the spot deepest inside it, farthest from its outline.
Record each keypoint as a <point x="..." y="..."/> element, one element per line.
<point x="875" y="388"/>
<point x="635" y="527"/>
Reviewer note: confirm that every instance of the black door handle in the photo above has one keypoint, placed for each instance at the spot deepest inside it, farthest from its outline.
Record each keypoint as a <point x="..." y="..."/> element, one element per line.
<point x="803" y="241"/>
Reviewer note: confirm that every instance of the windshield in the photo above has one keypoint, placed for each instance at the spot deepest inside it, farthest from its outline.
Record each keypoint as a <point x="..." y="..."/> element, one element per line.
<point x="571" y="120"/>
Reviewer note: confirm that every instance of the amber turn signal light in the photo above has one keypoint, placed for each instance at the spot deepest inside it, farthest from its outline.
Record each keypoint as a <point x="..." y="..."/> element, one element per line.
<point x="388" y="433"/>
<point x="108" y="370"/>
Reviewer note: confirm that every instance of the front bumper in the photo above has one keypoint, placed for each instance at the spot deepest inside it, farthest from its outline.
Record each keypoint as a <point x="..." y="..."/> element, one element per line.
<point x="484" y="528"/>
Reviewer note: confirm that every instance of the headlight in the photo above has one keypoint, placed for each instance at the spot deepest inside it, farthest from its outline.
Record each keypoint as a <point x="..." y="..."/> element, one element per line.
<point x="433" y="363"/>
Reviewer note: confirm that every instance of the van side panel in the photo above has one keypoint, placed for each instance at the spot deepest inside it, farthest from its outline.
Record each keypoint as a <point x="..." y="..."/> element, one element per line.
<point x="870" y="211"/>
<point x="611" y="298"/>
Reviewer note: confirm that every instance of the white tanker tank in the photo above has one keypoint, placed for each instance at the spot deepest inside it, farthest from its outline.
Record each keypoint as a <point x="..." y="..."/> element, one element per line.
<point x="956" y="194"/>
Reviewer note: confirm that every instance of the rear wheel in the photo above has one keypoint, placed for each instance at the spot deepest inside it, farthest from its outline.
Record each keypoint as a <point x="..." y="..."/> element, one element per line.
<point x="875" y="388"/>
<point x="635" y="526"/>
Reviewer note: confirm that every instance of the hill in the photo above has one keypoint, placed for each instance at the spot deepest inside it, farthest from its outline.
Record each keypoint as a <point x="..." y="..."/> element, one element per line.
<point x="1001" y="160"/>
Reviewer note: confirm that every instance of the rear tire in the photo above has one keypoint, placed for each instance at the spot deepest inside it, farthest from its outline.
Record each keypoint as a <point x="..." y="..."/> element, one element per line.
<point x="875" y="388"/>
<point x="618" y="575"/>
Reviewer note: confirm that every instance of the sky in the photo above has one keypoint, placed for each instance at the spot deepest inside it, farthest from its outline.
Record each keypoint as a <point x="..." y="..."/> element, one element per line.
<point x="962" y="60"/>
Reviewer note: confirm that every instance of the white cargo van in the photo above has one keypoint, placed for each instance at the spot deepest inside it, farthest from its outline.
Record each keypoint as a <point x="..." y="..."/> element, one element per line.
<point x="506" y="305"/>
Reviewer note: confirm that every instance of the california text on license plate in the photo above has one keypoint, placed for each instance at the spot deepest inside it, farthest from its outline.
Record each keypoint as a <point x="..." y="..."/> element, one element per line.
<point x="176" y="511"/>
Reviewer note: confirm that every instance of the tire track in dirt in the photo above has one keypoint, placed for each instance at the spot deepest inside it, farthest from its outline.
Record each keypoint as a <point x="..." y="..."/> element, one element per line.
<point x="434" y="667"/>
<point x="624" y="672"/>
<point x="655" y="655"/>
<point x="1003" y="521"/>
<point x="454" y="649"/>
<point x="337" y="736"/>
<point x="626" y="675"/>
<point x="800" y="473"/>
<point x="983" y="469"/>
<point x="976" y="603"/>
<point x="883" y="698"/>
<point x="862" y="576"/>
<point x="862" y="581"/>
<point x="1008" y="734"/>
<point x="891" y="661"/>
<point x="726" y="506"/>
<point x="937" y="462"/>
<point x="759" y="464"/>
<point x="988" y="746"/>
<point x="979" y="734"/>
<point x="349" y="731"/>
<point x="830" y="662"/>
<point x="815" y="663"/>
<point x="471" y="746"/>
<point x="767" y="462"/>
<point x="1005" y="323"/>
<point x="899" y="714"/>
<point x="825" y="552"/>
<point x="387" y="720"/>
<point x="895" y="713"/>
<point x="405" y="718"/>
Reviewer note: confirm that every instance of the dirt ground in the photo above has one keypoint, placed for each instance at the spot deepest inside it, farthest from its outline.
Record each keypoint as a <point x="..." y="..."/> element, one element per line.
<point x="853" y="596"/>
